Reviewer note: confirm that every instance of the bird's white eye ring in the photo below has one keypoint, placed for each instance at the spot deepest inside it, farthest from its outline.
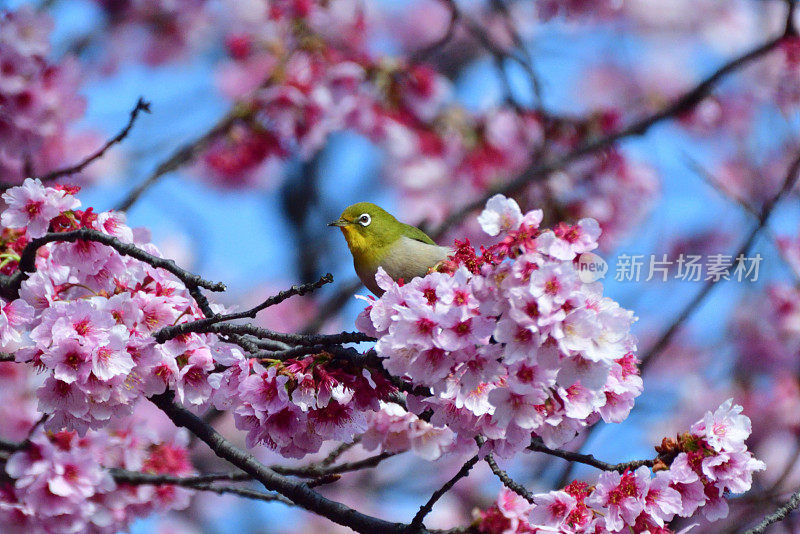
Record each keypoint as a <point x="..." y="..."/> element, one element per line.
<point x="365" y="219"/>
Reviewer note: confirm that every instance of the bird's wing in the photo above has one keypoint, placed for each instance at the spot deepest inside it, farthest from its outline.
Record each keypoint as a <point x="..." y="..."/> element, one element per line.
<point x="416" y="234"/>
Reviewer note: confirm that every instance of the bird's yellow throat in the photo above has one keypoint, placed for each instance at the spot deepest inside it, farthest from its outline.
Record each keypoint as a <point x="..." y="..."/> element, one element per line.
<point x="364" y="251"/>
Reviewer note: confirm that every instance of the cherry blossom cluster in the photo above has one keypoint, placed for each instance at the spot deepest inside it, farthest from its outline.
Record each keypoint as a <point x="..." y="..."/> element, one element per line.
<point x="694" y="471"/>
<point x="87" y="314"/>
<point x="38" y="99"/>
<point x="510" y="343"/>
<point x="61" y="483"/>
<point x="154" y="31"/>
<point x="294" y="406"/>
<point x="393" y="429"/>
<point x="311" y="75"/>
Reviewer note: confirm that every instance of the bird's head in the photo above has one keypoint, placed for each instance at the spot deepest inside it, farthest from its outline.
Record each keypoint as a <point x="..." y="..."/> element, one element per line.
<point x="367" y="226"/>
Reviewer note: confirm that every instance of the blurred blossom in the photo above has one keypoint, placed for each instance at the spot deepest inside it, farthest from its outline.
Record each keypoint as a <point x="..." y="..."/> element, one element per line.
<point x="38" y="100"/>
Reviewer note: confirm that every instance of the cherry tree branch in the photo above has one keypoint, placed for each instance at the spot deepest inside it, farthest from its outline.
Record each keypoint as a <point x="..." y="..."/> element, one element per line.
<point x="141" y="106"/>
<point x="201" y="325"/>
<point x="778" y="515"/>
<point x="244" y="492"/>
<point x="183" y="155"/>
<point x="525" y="59"/>
<point x="198" y="482"/>
<point x="124" y="476"/>
<point x="587" y="459"/>
<point x="297" y="492"/>
<point x="338" y="451"/>
<point x="321" y="470"/>
<point x="296" y="339"/>
<point x="426" y="508"/>
<point x="507" y="481"/>
<point x="9" y="285"/>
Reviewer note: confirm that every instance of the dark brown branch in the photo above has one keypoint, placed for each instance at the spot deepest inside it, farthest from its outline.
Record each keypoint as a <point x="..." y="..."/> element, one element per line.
<point x="287" y="354"/>
<point x="338" y="451"/>
<point x="198" y="482"/>
<point x="587" y="459"/>
<point x="314" y="471"/>
<point x="246" y="493"/>
<point x="292" y="339"/>
<point x="426" y="508"/>
<point x="124" y="476"/>
<point x="778" y="515"/>
<point x="11" y="446"/>
<point x="320" y="471"/>
<point x="682" y="105"/>
<point x="297" y="492"/>
<point x="201" y="325"/>
<point x="9" y="285"/>
<point x="141" y="106"/>
<point x="789" y="28"/>
<point x="5" y="357"/>
<point x="507" y="481"/>
<point x="183" y="155"/>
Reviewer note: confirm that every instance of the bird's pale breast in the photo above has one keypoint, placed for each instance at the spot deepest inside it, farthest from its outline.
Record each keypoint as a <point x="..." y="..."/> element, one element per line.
<point x="407" y="258"/>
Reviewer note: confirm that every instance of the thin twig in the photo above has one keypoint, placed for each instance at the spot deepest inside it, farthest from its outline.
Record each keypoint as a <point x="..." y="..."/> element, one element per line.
<point x="338" y="451"/>
<point x="507" y="481"/>
<point x="709" y="179"/>
<point x="246" y="493"/>
<point x="201" y="325"/>
<point x="426" y="508"/>
<point x="525" y="60"/>
<point x="587" y="459"/>
<point x="124" y="476"/>
<point x="778" y="515"/>
<point x="319" y="470"/>
<point x="183" y="155"/>
<point x="141" y="106"/>
<point x="198" y="482"/>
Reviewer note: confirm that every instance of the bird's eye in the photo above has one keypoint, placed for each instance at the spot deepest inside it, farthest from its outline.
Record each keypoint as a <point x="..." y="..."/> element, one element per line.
<point x="365" y="219"/>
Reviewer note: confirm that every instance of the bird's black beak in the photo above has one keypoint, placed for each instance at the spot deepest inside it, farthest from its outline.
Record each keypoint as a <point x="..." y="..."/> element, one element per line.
<point x="339" y="222"/>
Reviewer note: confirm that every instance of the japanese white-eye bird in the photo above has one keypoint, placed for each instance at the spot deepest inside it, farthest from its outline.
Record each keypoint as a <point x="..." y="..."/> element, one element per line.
<point x="377" y="239"/>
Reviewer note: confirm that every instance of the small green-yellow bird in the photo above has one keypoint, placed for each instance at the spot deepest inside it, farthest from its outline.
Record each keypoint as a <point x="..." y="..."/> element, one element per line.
<point x="377" y="239"/>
